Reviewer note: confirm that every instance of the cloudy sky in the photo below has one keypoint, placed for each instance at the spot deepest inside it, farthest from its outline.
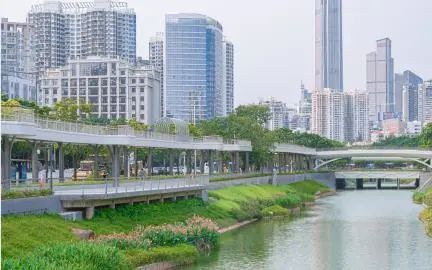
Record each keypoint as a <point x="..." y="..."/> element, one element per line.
<point x="274" y="39"/>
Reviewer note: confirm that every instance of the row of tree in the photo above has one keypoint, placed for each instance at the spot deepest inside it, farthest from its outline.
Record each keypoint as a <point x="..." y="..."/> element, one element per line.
<point x="422" y="140"/>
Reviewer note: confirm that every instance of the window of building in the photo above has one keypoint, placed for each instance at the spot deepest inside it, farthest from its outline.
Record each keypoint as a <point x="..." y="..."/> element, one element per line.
<point x="141" y="98"/>
<point x="93" y="69"/>
<point x="142" y="89"/>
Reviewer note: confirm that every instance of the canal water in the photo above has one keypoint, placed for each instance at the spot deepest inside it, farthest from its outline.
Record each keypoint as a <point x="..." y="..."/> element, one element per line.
<point x="368" y="229"/>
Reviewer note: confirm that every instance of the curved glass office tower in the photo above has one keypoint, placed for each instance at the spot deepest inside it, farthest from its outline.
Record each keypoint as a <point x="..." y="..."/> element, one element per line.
<point x="194" y="67"/>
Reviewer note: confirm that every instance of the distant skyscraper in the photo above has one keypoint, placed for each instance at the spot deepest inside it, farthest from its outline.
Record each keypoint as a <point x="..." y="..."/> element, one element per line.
<point x="156" y="57"/>
<point x="305" y="109"/>
<point x="17" y="79"/>
<point x="228" y="50"/>
<point x="70" y="30"/>
<point x="328" y="45"/>
<point x="193" y="67"/>
<point x="407" y="102"/>
<point x="379" y="81"/>
<point x="425" y="102"/>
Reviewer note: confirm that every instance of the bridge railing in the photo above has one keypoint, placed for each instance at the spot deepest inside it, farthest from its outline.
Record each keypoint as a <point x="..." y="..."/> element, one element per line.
<point x="370" y="147"/>
<point x="18" y="114"/>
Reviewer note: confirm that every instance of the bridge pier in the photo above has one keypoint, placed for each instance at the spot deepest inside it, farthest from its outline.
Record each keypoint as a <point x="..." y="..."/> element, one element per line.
<point x="149" y="163"/>
<point x="359" y="183"/>
<point x="171" y="162"/>
<point x="379" y="183"/>
<point x="220" y="162"/>
<point x="246" y="165"/>
<point x="202" y="161"/>
<point x="236" y="162"/>
<point x="96" y="164"/>
<point x="89" y="212"/>
<point x="115" y="161"/>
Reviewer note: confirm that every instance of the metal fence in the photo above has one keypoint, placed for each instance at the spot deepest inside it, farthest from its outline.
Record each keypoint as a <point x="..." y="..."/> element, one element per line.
<point x="17" y="114"/>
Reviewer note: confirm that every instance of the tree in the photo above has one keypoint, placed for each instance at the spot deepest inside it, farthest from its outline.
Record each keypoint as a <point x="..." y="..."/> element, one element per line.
<point x="69" y="110"/>
<point x="259" y="113"/>
<point x="138" y="126"/>
<point x="426" y="136"/>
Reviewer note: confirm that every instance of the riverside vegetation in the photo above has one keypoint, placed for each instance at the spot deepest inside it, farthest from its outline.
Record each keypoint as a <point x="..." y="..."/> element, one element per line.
<point x="131" y="236"/>
<point x="425" y="215"/>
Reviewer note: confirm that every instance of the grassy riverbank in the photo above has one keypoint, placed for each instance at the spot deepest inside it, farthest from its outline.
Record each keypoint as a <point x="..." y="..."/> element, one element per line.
<point x="426" y="214"/>
<point x="25" y="236"/>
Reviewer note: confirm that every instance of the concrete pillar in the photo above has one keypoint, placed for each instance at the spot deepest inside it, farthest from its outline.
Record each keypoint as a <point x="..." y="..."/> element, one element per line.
<point x="202" y="161"/>
<point x="236" y="162"/>
<point x="398" y="183"/>
<point x="112" y="206"/>
<point x="171" y="162"/>
<point x="379" y="183"/>
<point x="247" y="169"/>
<point x="189" y="157"/>
<point x="149" y="163"/>
<point x="96" y="163"/>
<point x="220" y="163"/>
<point x="61" y="162"/>
<point x="115" y="161"/>
<point x="89" y="212"/>
<point x="6" y="148"/>
<point x="210" y="162"/>
<point x="359" y="183"/>
<point x="35" y="161"/>
<point x="125" y="161"/>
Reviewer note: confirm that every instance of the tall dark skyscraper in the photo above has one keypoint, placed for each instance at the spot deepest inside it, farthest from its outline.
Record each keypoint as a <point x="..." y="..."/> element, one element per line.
<point x="328" y="45"/>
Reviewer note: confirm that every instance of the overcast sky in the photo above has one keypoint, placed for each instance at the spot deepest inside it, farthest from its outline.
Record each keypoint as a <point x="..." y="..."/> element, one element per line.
<point x="274" y="39"/>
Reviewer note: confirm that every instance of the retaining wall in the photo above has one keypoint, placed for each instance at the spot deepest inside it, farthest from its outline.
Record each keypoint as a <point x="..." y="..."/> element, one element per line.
<point x="327" y="179"/>
<point x="36" y="205"/>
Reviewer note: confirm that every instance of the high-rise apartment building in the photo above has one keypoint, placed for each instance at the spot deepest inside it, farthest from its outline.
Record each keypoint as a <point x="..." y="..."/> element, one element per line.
<point x="193" y="67"/>
<point x="228" y="82"/>
<point x="156" y="58"/>
<point x="328" y="114"/>
<point x="17" y="77"/>
<point x="407" y="84"/>
<point x="340" y="116"/>
<point x="70" y="30"/>
<point x="115" y="88"/>
<point x="379" y="81"/>
<point x="328" y="45"/>
<point x="425" y="102"/>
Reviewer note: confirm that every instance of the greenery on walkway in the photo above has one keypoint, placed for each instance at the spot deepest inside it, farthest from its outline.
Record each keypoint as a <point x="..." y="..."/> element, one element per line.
<point x="27" y="238"/>
<point x="15" y="194"/>
<point x="422" y="140"/>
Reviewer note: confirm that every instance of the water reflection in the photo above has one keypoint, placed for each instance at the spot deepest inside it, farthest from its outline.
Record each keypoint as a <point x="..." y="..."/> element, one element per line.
<point x="376" y="229"/>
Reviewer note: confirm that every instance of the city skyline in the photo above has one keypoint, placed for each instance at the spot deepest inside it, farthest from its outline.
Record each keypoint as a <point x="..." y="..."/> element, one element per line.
<point x="290" y="64"/>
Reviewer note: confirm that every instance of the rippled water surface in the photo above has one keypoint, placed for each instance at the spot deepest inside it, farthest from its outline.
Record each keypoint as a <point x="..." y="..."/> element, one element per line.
<point x="376" y="229"/>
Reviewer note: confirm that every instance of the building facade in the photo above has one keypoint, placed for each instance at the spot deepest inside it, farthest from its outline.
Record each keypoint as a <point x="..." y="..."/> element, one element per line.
<point x="193" y="67"/>
<point x="17" y="77"/>
<point x="228" y="58"/>
<point x="304" y="109"/>
<point x="379" y="81"/>
<point x="70" y="30"/>
<point x="425" y="102"/>
<point x="328" y="45"/>
<point x="341" y="116"/>
<point x="156" y="58"/>
<point x="408" y="83"/>
<point x="115" y="88"/>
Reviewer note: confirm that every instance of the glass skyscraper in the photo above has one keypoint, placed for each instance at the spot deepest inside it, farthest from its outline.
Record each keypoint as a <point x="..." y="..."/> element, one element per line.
<point x="328" y="45"/>
<point x="194" y="67"/>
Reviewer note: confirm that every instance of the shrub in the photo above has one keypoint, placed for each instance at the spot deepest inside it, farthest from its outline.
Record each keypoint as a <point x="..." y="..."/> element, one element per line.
<point x="181" y="254"/>
<point x="291" y="200"/>
<point x="197" y="231"/>
<point x="248" y="210"/>
<point x="428" y="199"/>
<point x="15" y="194"/>
<point x="275" y="210"/>
<point x="86" y="256"/>
<point x="418" y="197"/>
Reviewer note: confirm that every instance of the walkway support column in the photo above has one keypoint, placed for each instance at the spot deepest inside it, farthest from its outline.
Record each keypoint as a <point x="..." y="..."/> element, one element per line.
<point x="115" y="161"/>
<point x="6" y="148"/>
<point x="35" y="161"/>
<point x="220" y="162"/>
<point x="171" y="162"/>
<point x="149" y="163"/>
<point x="237" y="162"/>
<point x="210" y="161"/>
<point x="247" y="169"/>
<point x="96" y="163"/>
<point x="202" y="161"/>
<point x="61" y="162"/>
<point x="125" y="161"/>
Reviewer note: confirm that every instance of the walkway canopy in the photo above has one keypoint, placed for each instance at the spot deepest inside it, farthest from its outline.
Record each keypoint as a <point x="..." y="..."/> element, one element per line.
<point x="171" y="126"/>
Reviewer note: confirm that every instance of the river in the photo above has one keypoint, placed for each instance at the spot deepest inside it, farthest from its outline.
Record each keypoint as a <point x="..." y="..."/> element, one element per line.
<point x="375" y="229"/>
